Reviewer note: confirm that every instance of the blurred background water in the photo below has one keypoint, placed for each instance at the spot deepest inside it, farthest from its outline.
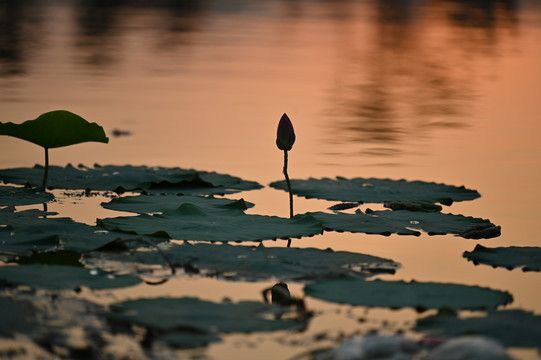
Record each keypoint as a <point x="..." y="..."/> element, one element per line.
<point x="442" y="90"/>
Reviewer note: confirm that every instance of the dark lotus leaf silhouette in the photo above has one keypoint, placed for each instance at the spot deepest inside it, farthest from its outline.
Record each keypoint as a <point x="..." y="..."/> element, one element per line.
<point x="528" y="258"/>
<point x="400" y="294"/>
<point x="371" y="190"/>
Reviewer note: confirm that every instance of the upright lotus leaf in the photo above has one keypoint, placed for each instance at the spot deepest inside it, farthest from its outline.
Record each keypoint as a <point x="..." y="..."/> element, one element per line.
<point x="255" y="263"/>
<point x="24" y="233"/>
<point x="176" y="320"/>
<point x="528" y="257"/>
<point x="55" y="129"/>
<point x="58" y="277"/>
<point x="127" y="178"/>
<point x="370" y="190"/>
<point x="17" y="196"/>
<point x="400" y="294"/>
<point x="190" y="222"/>
<point x="513" y="328"/>
<point x="144" y="204"/>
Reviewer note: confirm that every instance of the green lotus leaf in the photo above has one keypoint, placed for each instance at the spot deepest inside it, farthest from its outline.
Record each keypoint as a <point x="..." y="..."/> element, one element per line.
<point x="256" y="263"/>
<point x="400" y="294"/>
<point x="24" y="233"/>
<point x="190" y="222"/>
<point x="370" y="190"/>
<point x="361" y="223"/>
<point x="55" y="129"/>
<point x="435" y="223"/>
<point x="513" y="328"/>
<point x="58" y="277"/>
<point x="13" y="196"/>
<point x="144" y="204"/>
<point x="127" y="178"/>
<point x="14" y="318"/>
<point x="401" y="222"/>
<point x="528" y="257"/>
<point x="189" y="317"/>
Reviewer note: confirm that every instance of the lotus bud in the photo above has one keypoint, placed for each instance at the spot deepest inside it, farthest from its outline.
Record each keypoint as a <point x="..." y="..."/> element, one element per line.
<point x="285" y="137"/>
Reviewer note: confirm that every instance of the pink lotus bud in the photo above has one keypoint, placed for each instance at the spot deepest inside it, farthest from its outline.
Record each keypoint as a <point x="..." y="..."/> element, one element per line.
<point x="285" y="137"/>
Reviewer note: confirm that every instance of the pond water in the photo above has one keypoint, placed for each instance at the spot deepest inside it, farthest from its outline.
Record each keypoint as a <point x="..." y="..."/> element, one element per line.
<point x="444" y="91"/>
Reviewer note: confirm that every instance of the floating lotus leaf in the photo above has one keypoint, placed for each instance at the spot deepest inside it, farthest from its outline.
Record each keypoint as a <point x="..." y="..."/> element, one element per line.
<point x="527" y="258"/>
<point x="14" y="318"/>
<point x="256" y="263"/>
<point x="361" y="223"/>
<point x="58" y="277"/>
<point x="25" y="233"/>
<point x="125" y="178"/>
<point x="13" y="196"/>
<point x="513" y="328"/>
<point x="190" y="222"/>
<point x="435" y="223"/>
<point x="401" y="222"/>
<point x="370" y="190"/>
<point x="144" y="204"/>
<point x="55" y="129"/>
<point x="199" y="319"/>
<point x="400" y="294"/>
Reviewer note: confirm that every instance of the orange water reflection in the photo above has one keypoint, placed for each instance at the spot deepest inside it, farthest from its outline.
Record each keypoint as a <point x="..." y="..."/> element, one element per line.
<point x="446" y="91"/>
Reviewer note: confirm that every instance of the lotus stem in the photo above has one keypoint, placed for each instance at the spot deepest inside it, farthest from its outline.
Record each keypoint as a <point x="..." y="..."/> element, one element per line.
<point x="46" y="172"/>
<point x="288" y="185"/>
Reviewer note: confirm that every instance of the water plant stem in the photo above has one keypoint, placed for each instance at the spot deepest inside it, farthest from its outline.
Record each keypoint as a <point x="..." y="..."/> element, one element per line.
<point x="46" y="172"/>
<point x="288" y="185"/>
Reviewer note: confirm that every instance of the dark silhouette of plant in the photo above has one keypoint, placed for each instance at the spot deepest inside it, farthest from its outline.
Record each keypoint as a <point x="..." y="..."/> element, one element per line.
<point x="55" y="129"/>
<point x="285" y="139"/>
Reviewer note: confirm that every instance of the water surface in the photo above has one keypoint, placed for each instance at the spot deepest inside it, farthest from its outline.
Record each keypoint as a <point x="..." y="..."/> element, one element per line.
<point x="444" y="91"/>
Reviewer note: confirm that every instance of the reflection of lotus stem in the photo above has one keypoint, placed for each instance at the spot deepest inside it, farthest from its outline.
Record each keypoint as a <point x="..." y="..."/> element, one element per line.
<point x="46" y="172"/>
<point x="288" y="185"/>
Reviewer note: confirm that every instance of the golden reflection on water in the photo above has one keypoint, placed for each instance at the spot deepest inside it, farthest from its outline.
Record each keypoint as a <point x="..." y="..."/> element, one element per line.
<point x="445" y="92"/>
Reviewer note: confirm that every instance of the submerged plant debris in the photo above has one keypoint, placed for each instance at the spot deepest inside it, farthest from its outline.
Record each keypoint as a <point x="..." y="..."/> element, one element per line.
<point x="527" y="258"/>
<point x="371" y="190"/>
<point x="128" y="178"/>
<point x="253" y="262"/>
<point x="400" y="294"/>
<point x="190" y="222"/>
